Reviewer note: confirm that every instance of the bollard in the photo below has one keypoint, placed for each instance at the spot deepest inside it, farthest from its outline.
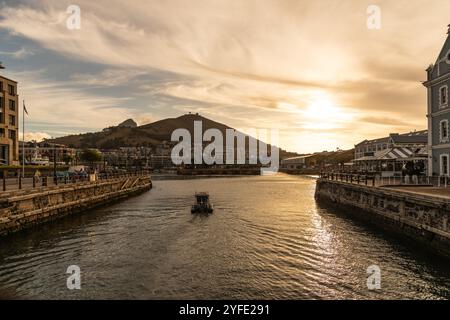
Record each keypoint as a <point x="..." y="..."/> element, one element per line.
<point x="34" y="182"/>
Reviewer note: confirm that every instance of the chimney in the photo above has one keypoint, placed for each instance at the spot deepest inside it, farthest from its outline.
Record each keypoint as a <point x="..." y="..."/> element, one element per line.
<point x="1" y="65"/>
<point x="448" y="32"/>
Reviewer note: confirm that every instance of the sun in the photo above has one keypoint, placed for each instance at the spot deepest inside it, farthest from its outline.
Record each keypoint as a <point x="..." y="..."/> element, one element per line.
<point x="322" y="113"/>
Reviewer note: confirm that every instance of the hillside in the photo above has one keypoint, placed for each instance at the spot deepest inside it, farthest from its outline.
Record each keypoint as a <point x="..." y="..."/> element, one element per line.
<point x="147" y="135"/>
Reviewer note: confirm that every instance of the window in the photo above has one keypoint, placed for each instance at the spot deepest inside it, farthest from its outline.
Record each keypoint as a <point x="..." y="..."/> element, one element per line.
<point x="443" y="131"/>
<point x="444" y="164"/>
<point x="443" y="96"/>
<point x="2" y="132"/>
<point x="12" y="120"/>
<point x="12" y="134"/>
<point x="12" y="105"/>
<point x="11" y="90"/>
<point x="1" y="86"/>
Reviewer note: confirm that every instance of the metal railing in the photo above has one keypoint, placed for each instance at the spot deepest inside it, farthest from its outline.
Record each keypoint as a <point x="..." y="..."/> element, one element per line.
<point x="377" y="180"/>
<point x="27" y="183"/>
<point x="352" y="178"/>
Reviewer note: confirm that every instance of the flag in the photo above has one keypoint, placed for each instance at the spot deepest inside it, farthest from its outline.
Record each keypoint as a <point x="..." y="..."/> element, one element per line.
<point x="25" y="108"/>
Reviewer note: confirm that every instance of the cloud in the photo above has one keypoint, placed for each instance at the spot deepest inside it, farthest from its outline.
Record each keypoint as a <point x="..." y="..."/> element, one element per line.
<point x="239" y="61"/>
<point x="58" y="108"/>
<point x="22" y="53"/>
<point x="106" y="78"/>
<point x="34" y="136"/>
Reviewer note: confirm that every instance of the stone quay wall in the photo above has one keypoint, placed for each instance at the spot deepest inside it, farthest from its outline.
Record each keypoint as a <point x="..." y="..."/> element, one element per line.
<point x="25" y="208"/>
<point x="422" y="217"/>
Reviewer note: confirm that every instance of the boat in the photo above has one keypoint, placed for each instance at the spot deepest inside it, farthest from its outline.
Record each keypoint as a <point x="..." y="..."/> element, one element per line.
<point x="202" y="204"/>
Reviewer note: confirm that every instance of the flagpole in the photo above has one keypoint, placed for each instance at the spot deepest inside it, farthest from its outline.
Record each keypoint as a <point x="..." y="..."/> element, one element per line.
<point x="23" y="139"/>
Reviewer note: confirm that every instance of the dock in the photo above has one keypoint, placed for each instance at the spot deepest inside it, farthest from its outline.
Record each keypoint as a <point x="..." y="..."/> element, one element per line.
<point x="417" y="212"/>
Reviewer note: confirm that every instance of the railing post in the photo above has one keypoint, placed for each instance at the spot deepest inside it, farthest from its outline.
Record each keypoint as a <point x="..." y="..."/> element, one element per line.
<point x="34" y="182"/>
<point x="4" y="182"/>
<point x="20" y="182"/>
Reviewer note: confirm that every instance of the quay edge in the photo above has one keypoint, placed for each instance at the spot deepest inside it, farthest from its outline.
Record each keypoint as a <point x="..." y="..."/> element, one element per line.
<point x="419" y="217"/>
<point x="24" y="209"/>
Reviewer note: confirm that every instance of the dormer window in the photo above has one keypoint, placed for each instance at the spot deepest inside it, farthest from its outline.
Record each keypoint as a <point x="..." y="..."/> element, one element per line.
<point x="443" y="97"/>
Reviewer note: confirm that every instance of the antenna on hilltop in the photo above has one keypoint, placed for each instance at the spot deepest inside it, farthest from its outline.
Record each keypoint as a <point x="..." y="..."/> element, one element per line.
<point x="1" y="65"/>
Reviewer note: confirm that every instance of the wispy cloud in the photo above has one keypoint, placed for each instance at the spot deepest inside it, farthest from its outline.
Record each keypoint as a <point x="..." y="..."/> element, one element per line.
<point x="22" y="53"/>
<point x="246" y="63"/>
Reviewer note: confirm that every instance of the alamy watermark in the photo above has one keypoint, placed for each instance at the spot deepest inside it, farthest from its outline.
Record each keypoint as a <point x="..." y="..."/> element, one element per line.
<point x="74" y="280"/>
<point x="374" y="18"/>
<point x="73" y="22"/>
<point x="214" y="154"/>
<point x="374" y="279"/>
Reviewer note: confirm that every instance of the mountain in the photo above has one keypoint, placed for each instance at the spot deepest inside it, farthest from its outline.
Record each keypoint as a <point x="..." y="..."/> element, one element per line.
<point x="147" y="135"/>
<point x="129" y="123"/>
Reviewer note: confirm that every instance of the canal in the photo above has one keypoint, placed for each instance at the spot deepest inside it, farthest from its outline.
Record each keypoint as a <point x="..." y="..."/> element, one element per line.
<point x="267" y="239"/>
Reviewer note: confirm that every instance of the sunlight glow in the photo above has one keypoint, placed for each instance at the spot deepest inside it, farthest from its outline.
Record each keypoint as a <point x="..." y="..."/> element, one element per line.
<point x="322" y="113"/>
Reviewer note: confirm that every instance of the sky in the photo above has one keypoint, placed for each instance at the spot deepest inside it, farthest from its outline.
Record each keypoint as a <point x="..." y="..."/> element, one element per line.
<point x="313" y="70"/>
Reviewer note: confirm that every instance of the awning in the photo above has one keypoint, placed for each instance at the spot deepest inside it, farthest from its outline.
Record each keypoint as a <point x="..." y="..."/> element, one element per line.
<point x="397" y="154"/>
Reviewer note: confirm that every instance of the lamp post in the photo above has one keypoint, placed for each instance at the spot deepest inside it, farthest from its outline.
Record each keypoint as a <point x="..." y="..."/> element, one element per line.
<point x="54" y="164"/>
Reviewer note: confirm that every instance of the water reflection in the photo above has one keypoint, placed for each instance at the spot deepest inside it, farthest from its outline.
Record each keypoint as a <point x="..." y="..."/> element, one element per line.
<point x="267" y="239"/>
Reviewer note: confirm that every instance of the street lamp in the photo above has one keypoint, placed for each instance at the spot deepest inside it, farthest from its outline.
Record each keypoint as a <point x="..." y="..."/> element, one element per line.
<point x="54" y="164"/>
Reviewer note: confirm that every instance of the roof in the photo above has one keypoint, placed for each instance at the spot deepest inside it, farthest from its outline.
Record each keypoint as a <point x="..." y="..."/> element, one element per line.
<point x="423" y="139"/>
<point x="2" y="77"/>
<point x="298" y="158"/>
<point x="397" y="153"/>
<point x="378" y="140"/>
<point x="410" y="137"/>
<point x="201" y="194"/>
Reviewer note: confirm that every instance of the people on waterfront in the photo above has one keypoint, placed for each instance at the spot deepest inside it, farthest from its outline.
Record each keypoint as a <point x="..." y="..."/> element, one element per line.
<point x="37" y="176"/>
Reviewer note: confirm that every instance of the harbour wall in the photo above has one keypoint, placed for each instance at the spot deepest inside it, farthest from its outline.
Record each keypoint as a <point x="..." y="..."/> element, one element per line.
<point x="421" y="217"/>
<point x="26" y="208"/>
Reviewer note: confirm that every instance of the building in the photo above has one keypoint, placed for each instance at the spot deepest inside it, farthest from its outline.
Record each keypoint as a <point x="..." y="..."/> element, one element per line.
<point x="438" y="113"/>
<point x="39" y="152"/>
<point x="294" y="163"/>
<point x="9" y="122"/>
<point x="387" y="156"/>
<point x="414" y="139"/>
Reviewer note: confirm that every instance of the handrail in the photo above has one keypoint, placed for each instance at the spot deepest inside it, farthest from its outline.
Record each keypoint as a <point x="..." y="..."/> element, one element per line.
<point x="29" y="183"/>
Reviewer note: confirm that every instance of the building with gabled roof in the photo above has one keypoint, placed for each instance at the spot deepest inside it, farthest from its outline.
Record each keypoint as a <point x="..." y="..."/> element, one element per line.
<point x="438" y="113"/>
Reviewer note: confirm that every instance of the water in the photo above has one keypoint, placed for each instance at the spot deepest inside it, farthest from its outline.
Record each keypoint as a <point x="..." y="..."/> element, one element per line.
<point x="267" y="239"/>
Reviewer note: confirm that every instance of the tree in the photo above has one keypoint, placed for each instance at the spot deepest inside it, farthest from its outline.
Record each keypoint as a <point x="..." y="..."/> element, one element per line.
<point x="67" y="158"/>
<point x="90" y="155"/>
